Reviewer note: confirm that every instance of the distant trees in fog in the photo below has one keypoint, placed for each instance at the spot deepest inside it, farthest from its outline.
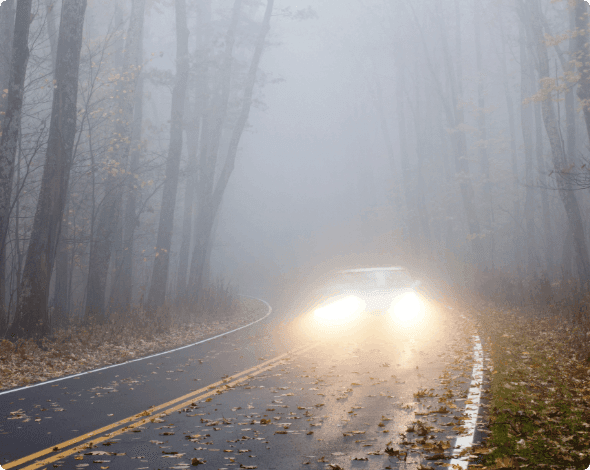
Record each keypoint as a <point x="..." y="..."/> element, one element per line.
<point x="115" y="153"/>
<point x="488" y="106"/>
<point x="90" y="170"/>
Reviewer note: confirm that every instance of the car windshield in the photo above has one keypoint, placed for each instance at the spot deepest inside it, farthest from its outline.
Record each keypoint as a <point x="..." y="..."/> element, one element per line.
<point x="378" y="279"/>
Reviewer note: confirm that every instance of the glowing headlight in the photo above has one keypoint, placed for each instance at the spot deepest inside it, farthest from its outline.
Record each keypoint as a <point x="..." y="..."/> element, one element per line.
<point x="408" y="308"/>
<point x="340" y="311"/>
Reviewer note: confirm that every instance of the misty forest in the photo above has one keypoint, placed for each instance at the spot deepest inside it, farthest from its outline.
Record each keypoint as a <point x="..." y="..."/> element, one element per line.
<point x="359" y="228"/>
<point x="156" y="155"/>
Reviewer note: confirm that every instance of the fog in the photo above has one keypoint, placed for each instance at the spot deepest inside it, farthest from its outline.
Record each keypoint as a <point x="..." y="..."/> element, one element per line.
<point x="295" y="177"/>
<point x="299" y="183"/>
<point x="250" y="147"/>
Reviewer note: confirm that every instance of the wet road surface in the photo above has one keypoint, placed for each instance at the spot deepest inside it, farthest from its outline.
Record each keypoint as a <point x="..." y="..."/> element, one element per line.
<point x="373" y="395"/>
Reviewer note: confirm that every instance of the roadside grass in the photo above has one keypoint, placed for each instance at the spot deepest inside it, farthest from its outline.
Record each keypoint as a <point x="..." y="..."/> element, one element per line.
<point x="539" y="401"/>
<point x="81" y="347"/>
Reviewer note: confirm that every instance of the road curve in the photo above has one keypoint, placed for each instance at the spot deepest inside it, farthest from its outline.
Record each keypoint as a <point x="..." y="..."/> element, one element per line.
<point x="277" y="394"/>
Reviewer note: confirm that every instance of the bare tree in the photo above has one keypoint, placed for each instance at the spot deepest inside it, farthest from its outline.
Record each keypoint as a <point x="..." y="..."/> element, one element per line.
<point x="31" y="317"/>
<point x="195" y="132"/>
<point x="526" y="124"/>
<point x="582" y="54"/>
<point x="484" y="160"/>
<point x="109" y="217"/>
<point x="51" y="29"/>
<point x="7" y="16"/>
<point x="11" y="126"/>
<point x="209" y="206"/>
<point x="531" y="16"/>
<point x="123" y="279"/>
<point x="455" y="117"/>
<point x="409" y="182"/>
<point x="213" y="123"/>
<point x="159" y="281"/>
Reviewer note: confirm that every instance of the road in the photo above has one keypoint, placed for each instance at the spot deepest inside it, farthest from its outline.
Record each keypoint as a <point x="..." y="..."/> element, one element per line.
<point x="284" y="393"/>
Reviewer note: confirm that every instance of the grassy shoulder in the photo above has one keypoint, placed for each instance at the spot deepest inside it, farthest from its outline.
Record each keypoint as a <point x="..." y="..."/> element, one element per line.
<point x="80" y="348"/>
<point x="539" y="402"/>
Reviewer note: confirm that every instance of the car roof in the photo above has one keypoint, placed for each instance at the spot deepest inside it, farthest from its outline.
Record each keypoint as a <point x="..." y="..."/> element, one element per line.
<point x="361" y="270"/>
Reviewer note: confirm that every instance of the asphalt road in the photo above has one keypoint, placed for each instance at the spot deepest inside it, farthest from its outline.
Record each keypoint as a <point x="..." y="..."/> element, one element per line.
<point x="312" y="397"/>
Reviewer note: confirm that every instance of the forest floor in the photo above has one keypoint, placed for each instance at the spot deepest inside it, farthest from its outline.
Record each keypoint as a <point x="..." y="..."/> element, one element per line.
<point x="537" y="409"/>
<point x="78" y="349"/>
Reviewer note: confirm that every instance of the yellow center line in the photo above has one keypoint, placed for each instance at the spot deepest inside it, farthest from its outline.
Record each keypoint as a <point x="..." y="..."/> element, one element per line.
<point x="144" y="416"/>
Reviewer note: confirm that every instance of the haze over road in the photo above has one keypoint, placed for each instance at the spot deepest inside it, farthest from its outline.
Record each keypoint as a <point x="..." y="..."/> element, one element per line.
<point x="341" y="398"/>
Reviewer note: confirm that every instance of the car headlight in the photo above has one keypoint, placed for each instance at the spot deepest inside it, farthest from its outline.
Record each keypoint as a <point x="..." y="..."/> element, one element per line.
<point x="340" y="311"/>
<point x="408" y="308"/>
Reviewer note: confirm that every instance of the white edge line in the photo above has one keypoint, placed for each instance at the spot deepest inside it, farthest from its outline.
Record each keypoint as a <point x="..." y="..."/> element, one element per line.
<point x="472" y="410"/>
<point x="146" y="357"/>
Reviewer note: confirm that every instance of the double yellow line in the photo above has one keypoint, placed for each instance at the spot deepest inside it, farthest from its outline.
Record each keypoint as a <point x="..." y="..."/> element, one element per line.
<point x="86" y="441"/>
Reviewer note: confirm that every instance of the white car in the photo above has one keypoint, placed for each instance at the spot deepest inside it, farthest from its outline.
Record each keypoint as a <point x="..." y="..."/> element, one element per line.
<point x="354" y="293"/>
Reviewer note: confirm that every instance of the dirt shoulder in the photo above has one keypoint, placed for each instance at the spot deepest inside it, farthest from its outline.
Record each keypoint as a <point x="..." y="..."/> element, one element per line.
<point x="80" y="349"/>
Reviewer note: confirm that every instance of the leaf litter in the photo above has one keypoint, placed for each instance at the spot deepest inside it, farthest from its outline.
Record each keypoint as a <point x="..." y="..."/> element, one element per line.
<point x="79" y="349"/>
<point x="538" y="405"/>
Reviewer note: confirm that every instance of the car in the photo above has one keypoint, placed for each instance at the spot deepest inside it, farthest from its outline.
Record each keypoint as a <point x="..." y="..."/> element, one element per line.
<point x="355" y="294"/>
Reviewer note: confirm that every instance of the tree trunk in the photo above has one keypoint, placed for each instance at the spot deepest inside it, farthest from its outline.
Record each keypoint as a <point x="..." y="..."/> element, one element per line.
<point x="566" y="194"/>
<point x="420" y="126"/>
<point x="378" y="101"/>
<point x="568" y="69"/>
<point x="408" y="180"/>
<point x="10" y="129"/>
<point x="567" y="253"/>
<point x="194" y="135"/>
<point x="123" y="287"/>
<point x="481" y="120"/>
<point x="159" y="281"/>
<point x="570" y="112"/>
<point x="18" y="263"/>
<point x="207" y="268"/>
<point x="101" y="250"/>
<point x="213" y="123"/>
<point x="526" y="122"/>
<point x="61" y="295"/>
<point x="210" y="141"/>
<point x="540" y="158"/>
<point x="51" y="30"/>
<point x="547" y="233"/>
<point x="116" y="262"/>
<point x="7" y="16"/>
<point x="513" y="153"/>
<point x="456" y="118"/>
<point x="62" y="263"/>
<point x="187" y="223"/>
<point x="109" y="225"/>
<point x="31" y="312"/>
<point x="583" y="57"/>
<point x="205" y="222"/>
